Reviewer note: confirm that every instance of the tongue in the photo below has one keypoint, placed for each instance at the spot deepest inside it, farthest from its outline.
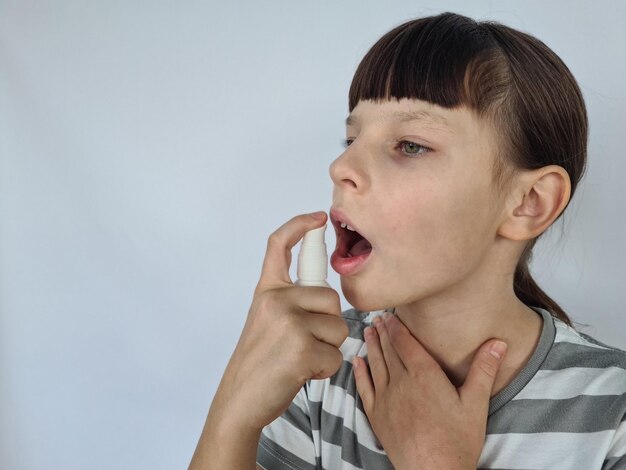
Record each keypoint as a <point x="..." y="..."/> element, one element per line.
<point x="360" y="247"/>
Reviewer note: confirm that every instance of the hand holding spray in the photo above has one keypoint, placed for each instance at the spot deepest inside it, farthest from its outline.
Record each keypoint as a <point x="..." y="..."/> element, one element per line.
<point x="313" y="266"/>
<point x="312" y="259"/>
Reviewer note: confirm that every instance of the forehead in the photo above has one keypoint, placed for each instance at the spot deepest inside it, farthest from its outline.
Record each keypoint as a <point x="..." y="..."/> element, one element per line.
<point x="453" y="121"/>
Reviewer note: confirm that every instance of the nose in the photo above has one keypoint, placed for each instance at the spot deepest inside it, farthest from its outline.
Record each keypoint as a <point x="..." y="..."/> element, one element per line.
<point x="346" y="172"/>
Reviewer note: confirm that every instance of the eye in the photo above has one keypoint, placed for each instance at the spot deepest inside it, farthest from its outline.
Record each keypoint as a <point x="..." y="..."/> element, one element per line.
<point x="414" y="146"/>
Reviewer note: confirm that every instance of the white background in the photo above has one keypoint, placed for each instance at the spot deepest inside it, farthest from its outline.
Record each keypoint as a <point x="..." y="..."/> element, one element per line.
<point x="148" y="149"/>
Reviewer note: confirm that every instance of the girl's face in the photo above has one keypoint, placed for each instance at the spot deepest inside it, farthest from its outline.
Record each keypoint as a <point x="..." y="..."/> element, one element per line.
<point x="415" y="181"/>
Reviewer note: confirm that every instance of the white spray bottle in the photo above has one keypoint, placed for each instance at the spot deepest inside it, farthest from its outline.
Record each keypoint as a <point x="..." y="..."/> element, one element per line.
<point x="313" y="260"/>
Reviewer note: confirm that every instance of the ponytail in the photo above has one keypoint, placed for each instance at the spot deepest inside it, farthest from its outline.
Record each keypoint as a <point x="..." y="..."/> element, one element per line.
<point x="527" y="290"/>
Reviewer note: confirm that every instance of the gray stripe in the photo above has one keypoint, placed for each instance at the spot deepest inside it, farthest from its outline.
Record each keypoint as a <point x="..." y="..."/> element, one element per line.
<point x="564" y="355"/>
<point x="355" y="327"/>
<point x="272" y="456"/>
<point x="353" y="452"/>
<point x="313" y="410"/>
<point x="316" y="415"/>
<point x="343" y="380"/>
<point x="546" y="341"/>
<point x="614" y="463"/>
<point x="354" y="314"/>
<point x="334" y="432"/>
<point x="595" y="341"/>
<point x="297" y="418"/>
<point x="344" y="377"/>
<point x="580" y="414"/>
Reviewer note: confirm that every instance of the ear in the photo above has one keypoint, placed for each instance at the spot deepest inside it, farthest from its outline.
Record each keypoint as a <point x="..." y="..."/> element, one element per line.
<point x="536" y="200"/>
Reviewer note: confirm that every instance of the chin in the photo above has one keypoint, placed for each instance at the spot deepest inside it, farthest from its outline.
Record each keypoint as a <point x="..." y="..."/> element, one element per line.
<point x="362" y="302"/>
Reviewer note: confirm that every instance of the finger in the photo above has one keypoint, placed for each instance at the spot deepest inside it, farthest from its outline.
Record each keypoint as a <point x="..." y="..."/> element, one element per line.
<point x="364" y="384"/>
<point x="275" y="271"/>
<point x="323" y="360"/>
<point x="482" y="375"/>
<point x="376" y="359"/>
<point x="326" y="328"/>
<point x="315" y="299"/>
<point x="394" y="364"/>
<point x="410" y="351"/>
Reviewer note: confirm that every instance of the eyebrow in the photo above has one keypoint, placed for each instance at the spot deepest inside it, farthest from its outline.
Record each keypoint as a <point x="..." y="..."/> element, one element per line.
<point x="406" y="116"/>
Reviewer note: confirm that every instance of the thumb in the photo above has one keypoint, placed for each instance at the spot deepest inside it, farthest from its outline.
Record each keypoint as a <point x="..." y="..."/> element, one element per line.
<point x="482" y="374"/>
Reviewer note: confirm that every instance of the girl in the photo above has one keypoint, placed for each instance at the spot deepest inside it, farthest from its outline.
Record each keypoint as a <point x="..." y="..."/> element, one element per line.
<point x="465" y="141"/>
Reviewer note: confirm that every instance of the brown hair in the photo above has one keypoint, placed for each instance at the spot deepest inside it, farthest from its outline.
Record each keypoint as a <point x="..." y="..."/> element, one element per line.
<point x="510" y="78"/>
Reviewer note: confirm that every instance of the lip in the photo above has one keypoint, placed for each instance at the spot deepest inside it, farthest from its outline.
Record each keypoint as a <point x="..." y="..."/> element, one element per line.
<point x="349" y="266"/>
<point x="337" y="216"/>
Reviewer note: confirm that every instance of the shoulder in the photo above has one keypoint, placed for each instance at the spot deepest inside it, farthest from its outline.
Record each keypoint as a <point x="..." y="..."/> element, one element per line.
<point x="581" y="367"/>
<point x="573" y="348"/>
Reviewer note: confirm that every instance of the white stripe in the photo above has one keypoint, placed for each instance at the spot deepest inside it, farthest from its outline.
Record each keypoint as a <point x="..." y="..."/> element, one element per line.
<point x="317" y="389"/>
<point x="331" y="456"/>
<point x="574" y="381"/>
<point x="350" y="347"/>
<point x="545" y="450"/>
<point x="369" y="318"/>
<point x="565" y="334"/>
<point x="282" y="432"/>
<point x="618" y="445"/>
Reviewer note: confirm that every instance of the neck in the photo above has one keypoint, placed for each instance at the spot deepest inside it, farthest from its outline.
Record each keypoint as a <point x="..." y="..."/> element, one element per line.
<point x="452" y="332"/>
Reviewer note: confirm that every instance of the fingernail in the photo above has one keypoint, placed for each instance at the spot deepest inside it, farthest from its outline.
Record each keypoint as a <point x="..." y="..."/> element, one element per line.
<point x="318" y="215"/>
<point x="386" y="316"/>
<point x="355" y="363"/>
<point x="497" y="349"/>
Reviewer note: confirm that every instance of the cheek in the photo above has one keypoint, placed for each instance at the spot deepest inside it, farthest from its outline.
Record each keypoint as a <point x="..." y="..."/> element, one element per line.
<point x="464" y="237"/>
<point x="441" y="233"/>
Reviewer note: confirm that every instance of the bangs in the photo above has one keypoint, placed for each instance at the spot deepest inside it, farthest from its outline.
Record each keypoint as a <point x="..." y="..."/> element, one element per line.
<point x="429" y="59"/>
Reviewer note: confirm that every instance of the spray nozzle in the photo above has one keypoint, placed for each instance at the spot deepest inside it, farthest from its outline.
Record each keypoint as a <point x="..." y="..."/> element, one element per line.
<point x="315" y="237"/>
<point x="313" y="260"/>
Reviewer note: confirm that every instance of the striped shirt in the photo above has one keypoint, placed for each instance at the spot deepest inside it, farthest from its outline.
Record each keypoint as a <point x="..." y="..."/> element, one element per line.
<point x="566" y="409"/>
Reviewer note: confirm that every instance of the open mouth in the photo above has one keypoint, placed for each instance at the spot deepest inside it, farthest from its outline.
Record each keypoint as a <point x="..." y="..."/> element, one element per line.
<point x="350" y="243"/>
<point x="352" y="250"/>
